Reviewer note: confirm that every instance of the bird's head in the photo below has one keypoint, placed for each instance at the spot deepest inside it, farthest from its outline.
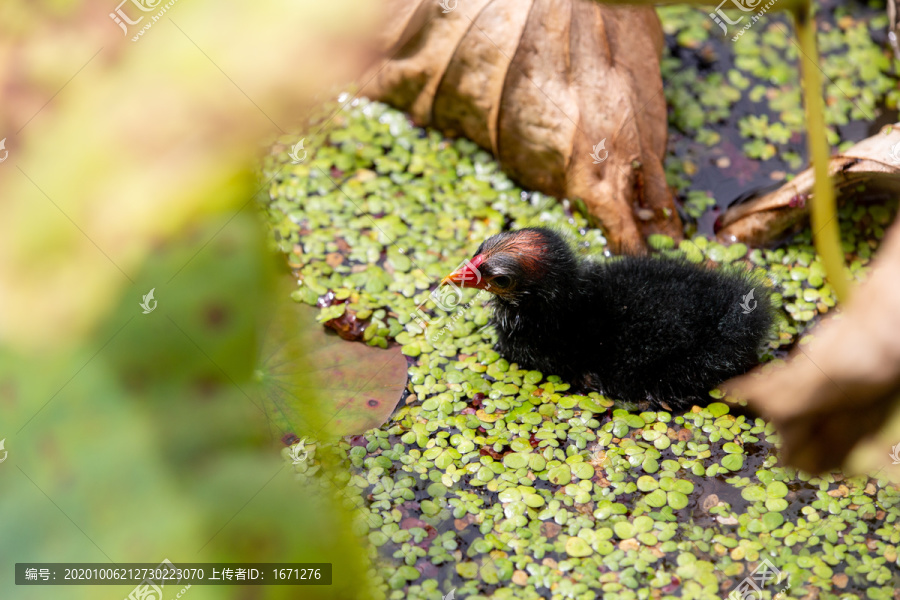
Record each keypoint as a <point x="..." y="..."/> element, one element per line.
<point x="516" y="264"/>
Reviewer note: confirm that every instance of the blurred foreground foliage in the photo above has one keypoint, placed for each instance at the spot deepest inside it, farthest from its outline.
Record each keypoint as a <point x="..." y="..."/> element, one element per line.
<point x="158" y="446"/>
<point x="138" y="437"/>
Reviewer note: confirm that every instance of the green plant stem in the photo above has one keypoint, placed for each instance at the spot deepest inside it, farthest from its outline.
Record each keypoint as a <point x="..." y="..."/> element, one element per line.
<point x="824" y="219"/>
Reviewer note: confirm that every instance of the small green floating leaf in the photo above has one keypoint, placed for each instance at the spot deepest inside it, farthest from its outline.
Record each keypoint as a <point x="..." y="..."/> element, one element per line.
<point x="772" y="520"/>
<point x="716" y="253"/>
<point x="583" y="470"/>
<point x="634" y="421"/>
<point x="776" y="504"/>
<point x="521" y="445"/>
<point x="331" y="312"/>
<point x="717" y="409"/>
<point x="754" y="493"/>
<point x="650" y="465"/>
<point x="533" y="377"/>
<point x="509" y="495"/>
<point x="515" y="460"/>
<point x="676" y="500"/>
<point x="591" y="405"/>
<point x="577" y="547"/>
<point x="624" y="530"/>
<point x="537" y="463"/>
<point x="656" y="499"/>
<point x="467" y="570"/>
<point x="534" y="500"/>
<point x="733" y="462"/>
<point x="658" y="241"/>
<point x="735" y="252"/>
<point x="776" y="489"/>
<point x="683" y="485"/>
<point x="484" y="474"/>
<point x="645" y="483"/>
<point x="560" y="475"/>
<point x="444" y="460"/>
<point x="643" y="524"/>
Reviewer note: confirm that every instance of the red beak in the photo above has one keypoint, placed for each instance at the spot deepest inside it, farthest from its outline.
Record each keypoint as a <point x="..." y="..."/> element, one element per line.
<point x="467" y="275"/>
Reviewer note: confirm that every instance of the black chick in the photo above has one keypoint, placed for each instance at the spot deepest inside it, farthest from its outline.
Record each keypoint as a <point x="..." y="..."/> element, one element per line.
<point x="659" y="332"/>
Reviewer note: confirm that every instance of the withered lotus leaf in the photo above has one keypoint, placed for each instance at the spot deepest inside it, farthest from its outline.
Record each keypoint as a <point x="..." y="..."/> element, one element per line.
<point x="767" y="219"/>
<point x="566" y="94"/>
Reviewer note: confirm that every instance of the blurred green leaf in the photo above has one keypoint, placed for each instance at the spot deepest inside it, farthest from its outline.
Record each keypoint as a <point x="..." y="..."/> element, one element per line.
<point x="137" y="435"/>
<point x="156" y="448"/>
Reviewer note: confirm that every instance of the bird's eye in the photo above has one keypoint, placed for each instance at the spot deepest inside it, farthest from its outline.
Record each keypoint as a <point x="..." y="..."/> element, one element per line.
<point x="501" y="281"/>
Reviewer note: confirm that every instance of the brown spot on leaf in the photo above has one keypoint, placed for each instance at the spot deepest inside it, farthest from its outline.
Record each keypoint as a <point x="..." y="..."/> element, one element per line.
<point x="410" y="522"/>
<point x="207" y="386"/>
<point x="841" y="492"/>
<point x="630" y="544"/>
<point x="550" y="530"/>
<point x="710" y="501"/>
<point x="585" y="509"/>
<point x="216" y="315"/>
<point x="489" y="451"/>
<point x="347" y="326"/>
<point x="136" y="380"/>
<point x="672" y="586"/>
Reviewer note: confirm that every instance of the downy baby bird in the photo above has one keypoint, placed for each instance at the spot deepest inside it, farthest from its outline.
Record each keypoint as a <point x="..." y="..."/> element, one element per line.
<point x="658" y="332"/>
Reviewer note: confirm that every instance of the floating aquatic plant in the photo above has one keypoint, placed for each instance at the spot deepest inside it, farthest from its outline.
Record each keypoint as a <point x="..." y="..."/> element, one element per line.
<point x="493" y="479"/>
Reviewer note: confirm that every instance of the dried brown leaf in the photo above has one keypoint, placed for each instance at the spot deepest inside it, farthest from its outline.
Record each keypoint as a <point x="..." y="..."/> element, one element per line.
<point x="542" y="84"/>
<point x="844" y="385"/>
<point x="770" y="217"/>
